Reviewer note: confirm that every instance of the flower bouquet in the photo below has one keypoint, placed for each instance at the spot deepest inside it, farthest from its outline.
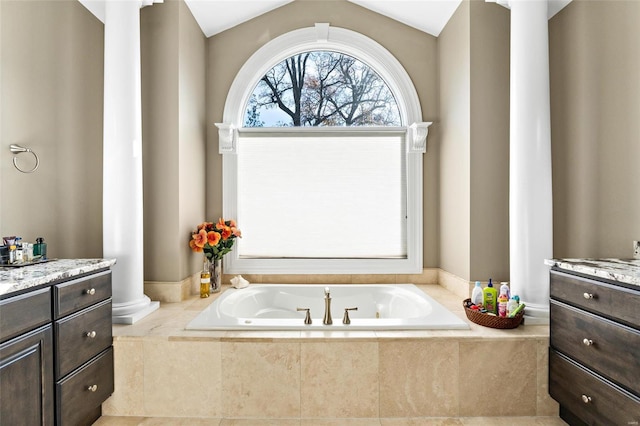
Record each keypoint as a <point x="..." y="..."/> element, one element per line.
<point x="214" y="240"/>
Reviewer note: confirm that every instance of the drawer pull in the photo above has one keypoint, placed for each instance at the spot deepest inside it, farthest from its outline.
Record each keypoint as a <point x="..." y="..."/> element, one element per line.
<point x="588" y="295"/>
<point x="92" y="291"/>
<point x="91" y="334"/>
<point x="586" y="399"/>
<point x="94" y="388"/>
<point x="587" y="342"/>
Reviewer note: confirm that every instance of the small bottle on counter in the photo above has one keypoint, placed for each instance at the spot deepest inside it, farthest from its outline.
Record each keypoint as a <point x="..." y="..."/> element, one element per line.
<point x="18" y="255"/>
<point x="512" y="305"/>
<point x="490" y="296"/>
<point x="205" y="280"/>
<point x="476" y="295"/>
<point x="503" y="301"/>
<point x="12" y="254"/>
<point x="40" y="248"/>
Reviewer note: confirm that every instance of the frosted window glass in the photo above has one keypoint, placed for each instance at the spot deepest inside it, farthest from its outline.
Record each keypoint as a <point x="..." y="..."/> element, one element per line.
<point x="322" y="197"/>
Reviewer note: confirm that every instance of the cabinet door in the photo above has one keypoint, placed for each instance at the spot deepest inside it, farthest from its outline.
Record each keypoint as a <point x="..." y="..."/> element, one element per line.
<point x="26" y="379"/>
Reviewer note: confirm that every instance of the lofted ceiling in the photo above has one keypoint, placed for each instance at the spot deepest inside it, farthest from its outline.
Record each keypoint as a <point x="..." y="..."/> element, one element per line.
<point x="215" y="16"/>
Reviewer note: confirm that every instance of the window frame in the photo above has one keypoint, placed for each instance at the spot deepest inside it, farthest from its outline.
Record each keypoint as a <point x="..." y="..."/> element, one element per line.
<point x="324" y="37"/>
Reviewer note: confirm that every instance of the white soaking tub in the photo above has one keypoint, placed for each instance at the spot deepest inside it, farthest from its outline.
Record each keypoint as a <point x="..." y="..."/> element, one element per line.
<point x="274" y="307"/>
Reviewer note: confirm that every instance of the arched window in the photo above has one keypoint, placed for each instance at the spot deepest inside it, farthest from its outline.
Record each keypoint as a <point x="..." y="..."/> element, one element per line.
<point x="321" y="88"/>
<point x="322" y="149"/>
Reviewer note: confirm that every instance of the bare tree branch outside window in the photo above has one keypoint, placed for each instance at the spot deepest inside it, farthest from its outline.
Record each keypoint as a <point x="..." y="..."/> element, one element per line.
<point x="321" y="88"/>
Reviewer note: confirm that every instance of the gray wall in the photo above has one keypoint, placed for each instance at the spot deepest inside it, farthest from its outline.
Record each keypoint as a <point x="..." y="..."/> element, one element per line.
<point x="51" y="69"/>
<point x="173" y="107"/>
<point x="474" y="154"/>
<point x="595" y="128"/>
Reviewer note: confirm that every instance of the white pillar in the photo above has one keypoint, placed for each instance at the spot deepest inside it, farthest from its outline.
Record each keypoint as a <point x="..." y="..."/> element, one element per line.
<point x="530" y="192"/>
<point x="122" y="161"/>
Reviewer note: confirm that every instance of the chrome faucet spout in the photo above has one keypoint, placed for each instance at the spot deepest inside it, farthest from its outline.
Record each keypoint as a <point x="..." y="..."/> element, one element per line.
<point x="326" y="320"/>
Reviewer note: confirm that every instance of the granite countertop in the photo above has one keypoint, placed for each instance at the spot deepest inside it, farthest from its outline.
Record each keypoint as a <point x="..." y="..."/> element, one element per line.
<point x="625" y="271"/>
<point x="15" y="279"/>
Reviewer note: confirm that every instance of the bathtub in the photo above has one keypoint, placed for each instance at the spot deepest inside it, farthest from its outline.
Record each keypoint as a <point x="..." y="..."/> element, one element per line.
<point x="273" y="307"/>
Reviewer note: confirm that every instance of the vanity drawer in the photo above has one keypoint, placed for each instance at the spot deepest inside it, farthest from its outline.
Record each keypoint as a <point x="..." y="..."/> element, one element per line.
<point x="593" y="399"/>
<point x="74" y="344"/>
<point x="77" y="294"/>
<point x="618" y="303"/>
<point x="25" y="312"/>
<point x="78" y="395"/>
<point x="608" y="348"/>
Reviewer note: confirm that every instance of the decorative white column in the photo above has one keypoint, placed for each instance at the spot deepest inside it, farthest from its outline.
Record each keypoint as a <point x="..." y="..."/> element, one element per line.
<point x="530" y="192"/>
<point x="122" y="161"/>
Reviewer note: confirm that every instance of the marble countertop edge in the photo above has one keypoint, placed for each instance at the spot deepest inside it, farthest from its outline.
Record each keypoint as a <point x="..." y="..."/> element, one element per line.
<point x="16" y="279"/>
<point x="625" y="271"/>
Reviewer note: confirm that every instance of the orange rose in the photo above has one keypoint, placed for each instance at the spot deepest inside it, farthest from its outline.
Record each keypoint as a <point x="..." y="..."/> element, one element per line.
<point x="213" y="238"/>
<point x="200" y="238"/>
<point x="194" y="247"/>
<point x="236" y="232"/>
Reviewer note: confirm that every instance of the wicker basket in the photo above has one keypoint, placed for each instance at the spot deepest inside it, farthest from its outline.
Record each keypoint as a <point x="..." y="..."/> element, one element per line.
<point x="490" y="320"/>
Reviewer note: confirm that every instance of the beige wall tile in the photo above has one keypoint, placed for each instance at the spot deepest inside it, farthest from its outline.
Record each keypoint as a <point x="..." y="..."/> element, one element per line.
<point x="493" y="368"/>
<point x="419" y="378"/>
<point x="128" y="364"/>
<point x="329" y="279"/>
<point x="166" y="291"/>
<point x="428" y="276"/>
<point x="373" y="279"/>
<point x="260" y="422"/>
<point x="546" y="406"/>
<point x="461" y="287"/>
<point x="339" y="379"/>
<point x="285" y="279"/>
<point x="261" y="379"/>
<point x="182" y="378"/>
<point x="421" y="422"/>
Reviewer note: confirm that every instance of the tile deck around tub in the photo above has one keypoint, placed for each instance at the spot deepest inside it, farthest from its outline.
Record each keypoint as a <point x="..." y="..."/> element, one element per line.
<point x="416" y="377"/>
<point x="170" y="320"/>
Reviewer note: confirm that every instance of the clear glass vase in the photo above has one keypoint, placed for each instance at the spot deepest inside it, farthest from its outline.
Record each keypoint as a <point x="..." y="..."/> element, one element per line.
<point x="215" y="270"/>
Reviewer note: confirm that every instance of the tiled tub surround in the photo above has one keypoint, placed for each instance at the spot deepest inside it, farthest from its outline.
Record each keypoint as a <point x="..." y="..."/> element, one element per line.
<point x="163" y="370"/>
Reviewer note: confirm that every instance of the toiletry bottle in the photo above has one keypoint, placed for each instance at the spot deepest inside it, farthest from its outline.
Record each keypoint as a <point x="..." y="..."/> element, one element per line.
<point x="205" y="280"/>
<point x="504" y="286"/>
<point x="490" y="295"/>
<point x="40" y="248"/>
<point x="512" y="305"/>
<point x="476" y="295"/>
<point x="18" y="255"/>
<point x="12" y="254"/>
<point x="503" y="300"/>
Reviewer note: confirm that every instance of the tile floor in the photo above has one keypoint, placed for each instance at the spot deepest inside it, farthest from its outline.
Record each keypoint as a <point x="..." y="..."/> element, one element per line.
<point x="424" y="421"/>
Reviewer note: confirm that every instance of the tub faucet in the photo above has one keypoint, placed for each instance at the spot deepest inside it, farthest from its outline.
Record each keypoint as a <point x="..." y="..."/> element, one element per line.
<point x="327" y="307"/>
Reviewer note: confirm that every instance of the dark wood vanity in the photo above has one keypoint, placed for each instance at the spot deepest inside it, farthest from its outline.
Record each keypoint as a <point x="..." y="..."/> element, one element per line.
<point x="594" y="354"/>
<point x="56" y="354"/>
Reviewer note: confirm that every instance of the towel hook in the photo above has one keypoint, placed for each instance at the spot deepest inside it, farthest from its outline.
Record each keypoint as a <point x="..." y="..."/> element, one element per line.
<point x="17" y="149"/>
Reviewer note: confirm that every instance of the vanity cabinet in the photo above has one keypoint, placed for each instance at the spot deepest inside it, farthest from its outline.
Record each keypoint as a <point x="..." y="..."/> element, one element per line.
<point x="26" y="360"/>
<point x="594" y="354"/>
<point x="83" y="361"/>
<point x="56" y="354"/>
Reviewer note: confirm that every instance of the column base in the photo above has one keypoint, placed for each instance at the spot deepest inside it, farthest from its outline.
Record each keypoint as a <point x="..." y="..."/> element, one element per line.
<point x="536" y="314"/>
<point x="130" y="313"/>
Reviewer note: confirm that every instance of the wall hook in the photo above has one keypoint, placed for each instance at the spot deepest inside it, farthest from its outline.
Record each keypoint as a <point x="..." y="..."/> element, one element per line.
<point x="17" y="149"/>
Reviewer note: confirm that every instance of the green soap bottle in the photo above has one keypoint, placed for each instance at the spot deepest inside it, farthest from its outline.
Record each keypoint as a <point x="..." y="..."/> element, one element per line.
<point x="490" y="298"/>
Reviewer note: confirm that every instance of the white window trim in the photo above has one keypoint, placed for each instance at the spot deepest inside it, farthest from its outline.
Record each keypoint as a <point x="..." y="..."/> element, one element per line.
<point x="324" y="37"/>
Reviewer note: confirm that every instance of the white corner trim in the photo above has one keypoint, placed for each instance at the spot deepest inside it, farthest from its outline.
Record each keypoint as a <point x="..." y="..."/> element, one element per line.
<point x="227" y="138"/>
<point x="417" y="137"/>
<point x="322" y="32"/>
